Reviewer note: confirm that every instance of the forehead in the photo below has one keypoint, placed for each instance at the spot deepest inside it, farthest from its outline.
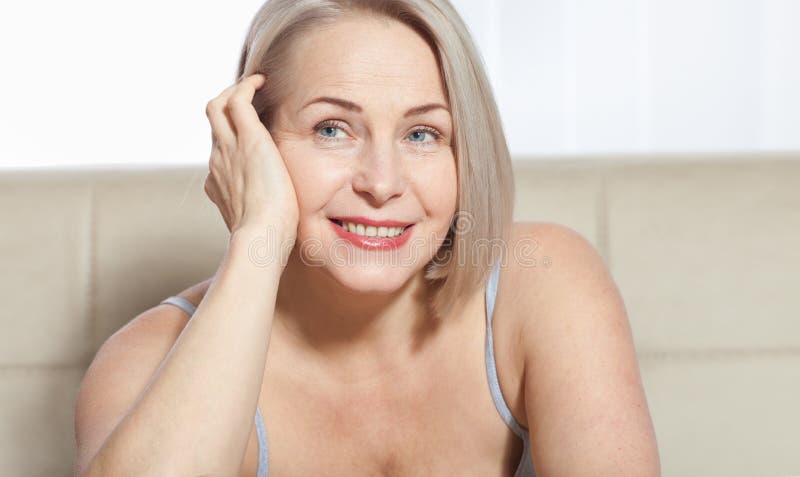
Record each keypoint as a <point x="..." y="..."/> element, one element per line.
<point x="366" y="56"/>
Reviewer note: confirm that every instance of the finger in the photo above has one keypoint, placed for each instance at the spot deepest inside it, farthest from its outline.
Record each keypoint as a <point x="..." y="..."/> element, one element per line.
<point x="240" y="106"/>
<point x="222" y="131"/>
<point x="222" y="128"/>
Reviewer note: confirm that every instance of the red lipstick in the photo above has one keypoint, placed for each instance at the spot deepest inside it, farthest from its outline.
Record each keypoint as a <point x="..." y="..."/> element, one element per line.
<point x="372" y="243"/>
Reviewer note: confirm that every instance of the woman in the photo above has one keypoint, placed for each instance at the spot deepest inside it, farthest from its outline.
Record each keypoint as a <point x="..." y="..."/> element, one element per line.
<point x="360" y="166"/>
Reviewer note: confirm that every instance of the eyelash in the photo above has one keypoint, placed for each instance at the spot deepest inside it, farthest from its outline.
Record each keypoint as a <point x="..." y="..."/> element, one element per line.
<point x="337" y="124"/>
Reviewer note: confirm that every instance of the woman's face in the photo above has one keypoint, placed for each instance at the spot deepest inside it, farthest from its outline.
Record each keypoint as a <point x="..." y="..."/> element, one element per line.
<point x="365" y="152"/>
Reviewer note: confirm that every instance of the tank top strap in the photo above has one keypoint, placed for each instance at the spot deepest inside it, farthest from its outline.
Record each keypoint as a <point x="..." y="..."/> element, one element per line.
<point x="181" y="303"/>
<point x="263" y="446"/>
<point x="491" y="288"/>
<point x="491" y="367"/>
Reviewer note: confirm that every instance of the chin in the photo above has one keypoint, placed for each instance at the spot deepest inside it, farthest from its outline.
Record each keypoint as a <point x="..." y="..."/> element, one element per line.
<point x="369" y="279"/>
<point x="360" y="269"/>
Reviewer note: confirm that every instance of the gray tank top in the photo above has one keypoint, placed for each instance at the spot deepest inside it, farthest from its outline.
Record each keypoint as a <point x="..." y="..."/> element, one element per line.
<point x="525" y="467"/>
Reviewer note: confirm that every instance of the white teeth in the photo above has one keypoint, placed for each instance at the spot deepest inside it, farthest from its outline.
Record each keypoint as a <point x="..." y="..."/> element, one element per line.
<point x="372" y="231"/>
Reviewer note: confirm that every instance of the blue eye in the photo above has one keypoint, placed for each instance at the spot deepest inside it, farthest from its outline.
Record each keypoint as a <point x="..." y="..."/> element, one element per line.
<point x="419" y="133"/>
<point x="328" y="131"/>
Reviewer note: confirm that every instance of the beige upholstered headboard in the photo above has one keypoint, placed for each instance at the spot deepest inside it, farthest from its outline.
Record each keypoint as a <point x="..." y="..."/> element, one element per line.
<point x="706" y="252"/>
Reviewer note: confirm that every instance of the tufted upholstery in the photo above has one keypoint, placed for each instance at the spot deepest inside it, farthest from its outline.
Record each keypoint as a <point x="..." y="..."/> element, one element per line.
<point x="706" y="253"/>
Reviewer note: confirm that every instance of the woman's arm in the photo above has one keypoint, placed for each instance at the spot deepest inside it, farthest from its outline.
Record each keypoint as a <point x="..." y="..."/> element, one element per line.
<point x="195" y="414"/>
<point x="585" y="404"/>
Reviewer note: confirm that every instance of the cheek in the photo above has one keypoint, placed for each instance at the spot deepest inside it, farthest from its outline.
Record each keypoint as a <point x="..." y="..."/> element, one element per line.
<point x="438" y="189"/>
<point x="444" y="183"/>
<point x="451" y="185"/>
<point x="315" y="179"/>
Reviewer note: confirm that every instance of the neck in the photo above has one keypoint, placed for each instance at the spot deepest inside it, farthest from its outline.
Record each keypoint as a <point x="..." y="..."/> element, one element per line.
<point x="352" y="335"/>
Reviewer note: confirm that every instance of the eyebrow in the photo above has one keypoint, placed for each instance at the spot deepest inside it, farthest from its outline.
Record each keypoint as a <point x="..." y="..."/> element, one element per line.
<point x="351" y="106"/>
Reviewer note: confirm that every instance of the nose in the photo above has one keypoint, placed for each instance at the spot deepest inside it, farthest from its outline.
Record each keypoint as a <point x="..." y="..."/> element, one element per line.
<point x="379" y="175"/>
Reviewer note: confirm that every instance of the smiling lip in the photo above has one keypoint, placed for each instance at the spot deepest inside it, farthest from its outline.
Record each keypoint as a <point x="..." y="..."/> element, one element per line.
<point x="373" y="243"/>
<point x="376" y="223"/>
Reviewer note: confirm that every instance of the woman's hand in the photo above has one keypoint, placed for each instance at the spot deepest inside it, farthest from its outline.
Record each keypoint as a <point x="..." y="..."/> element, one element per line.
<point x="248" y="180"/>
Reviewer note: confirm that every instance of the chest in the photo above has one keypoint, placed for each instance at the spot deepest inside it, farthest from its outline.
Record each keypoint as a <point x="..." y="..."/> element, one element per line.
<point x="439" y="419"/>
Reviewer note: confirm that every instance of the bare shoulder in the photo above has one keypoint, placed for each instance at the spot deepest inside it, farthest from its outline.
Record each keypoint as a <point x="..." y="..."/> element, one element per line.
<point x="546" y="261"/>
<point x="560" y="278"/>
<point x="584" y="399"/>
<point x="536" y="249"/>
<point x="195" y="293"/>
<point x="533" y="250"/>
<point x="535" y="261"/>
<point x="162" y="323"/>
<point x="164" y="317"/>
<point x="121" y="370"/>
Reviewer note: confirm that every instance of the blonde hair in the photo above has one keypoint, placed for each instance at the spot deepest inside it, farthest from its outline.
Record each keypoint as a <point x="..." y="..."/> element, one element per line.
<point x="481" y="226"/>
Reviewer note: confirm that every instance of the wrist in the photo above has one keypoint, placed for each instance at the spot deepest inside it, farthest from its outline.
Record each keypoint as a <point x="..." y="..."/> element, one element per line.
<point x="265" y="246"/>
